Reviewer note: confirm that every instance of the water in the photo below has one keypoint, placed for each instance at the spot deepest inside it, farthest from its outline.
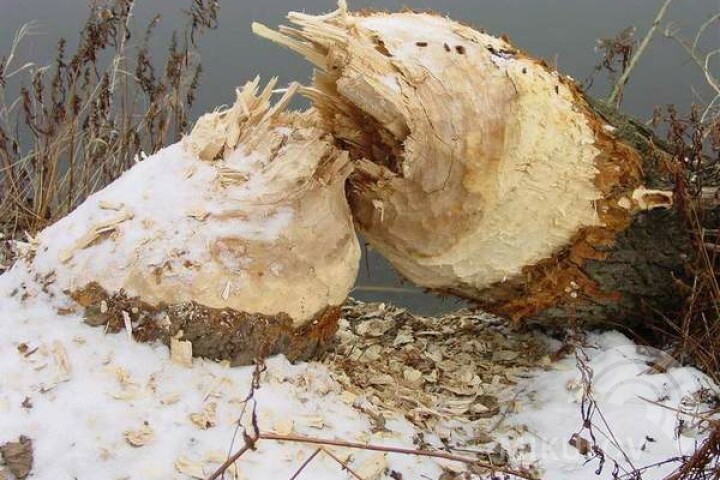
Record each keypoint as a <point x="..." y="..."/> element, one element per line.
<point x="561" y="31"/>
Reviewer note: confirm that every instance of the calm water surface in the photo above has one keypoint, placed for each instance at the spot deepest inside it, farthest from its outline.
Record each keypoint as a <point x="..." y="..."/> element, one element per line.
<point x="561" y="31"/>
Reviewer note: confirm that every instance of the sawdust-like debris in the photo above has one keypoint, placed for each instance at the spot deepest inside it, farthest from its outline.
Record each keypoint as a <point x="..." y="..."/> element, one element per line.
<point x="450" y="372"/>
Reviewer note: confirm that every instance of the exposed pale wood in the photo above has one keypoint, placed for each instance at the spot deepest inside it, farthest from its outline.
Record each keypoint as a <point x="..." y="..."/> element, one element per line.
<point x="482" y="172"/>
<point x="240" y="237"/>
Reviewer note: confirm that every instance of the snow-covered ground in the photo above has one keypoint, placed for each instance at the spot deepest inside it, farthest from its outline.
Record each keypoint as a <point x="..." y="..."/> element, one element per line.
<point x="100" y="406"/>
<point x="640" y="417"/>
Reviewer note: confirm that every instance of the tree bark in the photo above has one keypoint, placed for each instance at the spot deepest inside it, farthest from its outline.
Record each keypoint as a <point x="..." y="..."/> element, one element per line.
<point x="482" y="172"/>
<point x="238" y="239"/>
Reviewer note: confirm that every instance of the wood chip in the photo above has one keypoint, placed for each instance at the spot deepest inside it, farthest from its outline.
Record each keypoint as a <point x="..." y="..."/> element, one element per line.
<point x="62" y="362"/>
<point x="314" y="422"/>
<point x="413" y="378"/>
<point x="181" y="352"/>
<point x="105" y="205"/>
<point x="206" y="418"/>
<point x="283" y="426"/>
<point x="18" y="457"/>
<point x="429" y="369"/>
<point x="140" y="437"/>
<point x="171" y="399"/>
<point x="373" y="467"/>
<point x="191" y="469"/>
<point x="375" y="327"/>
<point x="94" y="234"/>
<point x="128" y="325"/>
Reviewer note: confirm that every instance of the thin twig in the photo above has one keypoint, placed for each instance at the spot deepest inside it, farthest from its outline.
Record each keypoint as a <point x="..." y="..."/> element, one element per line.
<point x="233" y="458"/>
<point x="399" y="450"/>
<point x="251" y="442"/>
<point x="305" y="464"/>
<point x="616" y="94"/>
<point x="343" y="464"/>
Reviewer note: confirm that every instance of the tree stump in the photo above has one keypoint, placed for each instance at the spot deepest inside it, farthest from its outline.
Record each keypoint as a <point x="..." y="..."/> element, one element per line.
<point x="238" y="239"/>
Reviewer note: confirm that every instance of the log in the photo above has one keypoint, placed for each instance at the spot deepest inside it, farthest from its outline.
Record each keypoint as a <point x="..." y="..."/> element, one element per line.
<point x="237" y="239"/>
<point x="482" y="172"/>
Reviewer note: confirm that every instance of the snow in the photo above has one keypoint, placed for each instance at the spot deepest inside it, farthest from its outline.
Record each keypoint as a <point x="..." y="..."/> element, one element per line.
<point x="166" y="199"/>
<point x="623" y="386"/>
<point x="80" y="416"/>
<point x="86" y="408"/>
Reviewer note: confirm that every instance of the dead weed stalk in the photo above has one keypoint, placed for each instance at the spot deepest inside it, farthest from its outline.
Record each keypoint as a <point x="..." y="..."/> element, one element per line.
<point x="69" y="128"/>
<point x="702" y="464"/>
<point x="251" y="435"/>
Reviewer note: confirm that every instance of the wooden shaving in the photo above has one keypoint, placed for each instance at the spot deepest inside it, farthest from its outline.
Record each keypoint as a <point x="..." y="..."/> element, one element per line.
<point x="140" y="437"/>
<point x="373" y="467"/>
<point x="432" y="371"/>
<point x="206" y="418"/>
<point x="226" y="291"/>
<point x="283" y="426"/>
<point x="62" y="362"/>
<point x="181" y="352"/>
<point x="94" y="234"/>
<point x="191" y="469"/>
<point x="199" y="215"/>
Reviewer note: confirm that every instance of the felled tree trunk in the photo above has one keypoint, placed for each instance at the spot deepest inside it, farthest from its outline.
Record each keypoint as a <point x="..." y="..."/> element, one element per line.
<point x="482" y="172"/>
<point x="238" y="239"/>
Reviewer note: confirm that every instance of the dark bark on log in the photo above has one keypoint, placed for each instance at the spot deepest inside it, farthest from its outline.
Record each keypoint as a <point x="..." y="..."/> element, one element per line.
<point x="645" y="275"/>
<point x="482" y="172"/>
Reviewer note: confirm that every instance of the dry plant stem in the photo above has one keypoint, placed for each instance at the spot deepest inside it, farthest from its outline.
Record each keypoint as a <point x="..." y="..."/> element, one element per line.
<point x="344" y="465"/>
<point x="400" y="450"/>
<point x="702" y="61"/>
<point x="250" y="443"/>
<point x="234" y="458"/>
<point x="616" y="95"/>
<point x="78" y="123"/>
<point x="589" y="408"/>
<point x="305" y="464"/>
<point x="700" y="464"/>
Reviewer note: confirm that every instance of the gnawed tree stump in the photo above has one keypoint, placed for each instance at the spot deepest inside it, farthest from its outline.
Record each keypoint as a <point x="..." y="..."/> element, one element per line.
<point x="238" y="238"/>
<point x="482" y="172"/>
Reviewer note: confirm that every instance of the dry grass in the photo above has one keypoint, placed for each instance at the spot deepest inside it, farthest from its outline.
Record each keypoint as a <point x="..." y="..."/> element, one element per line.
<point x="69" y="128"/>
<point x="694" y="143"/>
<point x="694" y="140"/>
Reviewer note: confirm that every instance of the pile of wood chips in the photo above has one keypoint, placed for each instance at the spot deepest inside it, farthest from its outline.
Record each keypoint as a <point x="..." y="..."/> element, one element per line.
<point x="457" y="371"/>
